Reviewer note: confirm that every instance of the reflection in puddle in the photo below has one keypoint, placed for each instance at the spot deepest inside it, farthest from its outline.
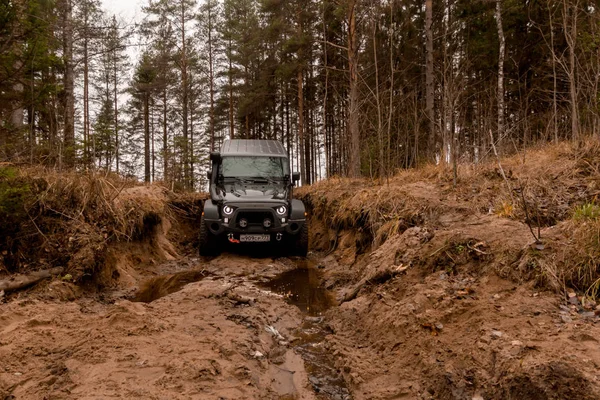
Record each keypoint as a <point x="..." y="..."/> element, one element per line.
<point x="302" y="288"/>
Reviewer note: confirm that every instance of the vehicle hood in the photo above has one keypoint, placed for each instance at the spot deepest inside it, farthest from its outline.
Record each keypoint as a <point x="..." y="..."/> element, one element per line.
<point x="252" y="192"/>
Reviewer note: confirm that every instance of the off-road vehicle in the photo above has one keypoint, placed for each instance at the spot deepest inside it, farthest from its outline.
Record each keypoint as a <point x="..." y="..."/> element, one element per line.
<point x="250" y="187"/>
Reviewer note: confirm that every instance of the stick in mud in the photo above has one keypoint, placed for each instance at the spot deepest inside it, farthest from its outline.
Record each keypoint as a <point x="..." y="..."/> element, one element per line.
<point x="21" y="282"/>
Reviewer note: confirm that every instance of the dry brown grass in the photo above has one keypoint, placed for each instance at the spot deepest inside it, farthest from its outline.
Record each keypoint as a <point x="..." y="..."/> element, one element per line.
<point x="72" y="219"/>
<point x="543" y="188"/>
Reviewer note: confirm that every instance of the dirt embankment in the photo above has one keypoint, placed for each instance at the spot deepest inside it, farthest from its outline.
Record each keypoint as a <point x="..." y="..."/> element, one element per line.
<point x="95" y="227"/>
<point x="447" y="293"/>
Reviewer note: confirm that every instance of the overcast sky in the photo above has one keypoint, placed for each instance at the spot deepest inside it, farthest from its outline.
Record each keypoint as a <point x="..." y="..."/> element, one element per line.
<point x="128" y="9"/>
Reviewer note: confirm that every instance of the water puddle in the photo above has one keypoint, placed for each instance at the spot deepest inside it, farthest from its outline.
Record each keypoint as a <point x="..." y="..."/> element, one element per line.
<point x="302" y="288"/>
<point x="164" y="285"/>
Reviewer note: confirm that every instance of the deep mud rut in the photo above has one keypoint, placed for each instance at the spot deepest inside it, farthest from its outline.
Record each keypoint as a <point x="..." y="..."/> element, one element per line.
<point x="234" y="327"/>
<point x="246" y="327"/>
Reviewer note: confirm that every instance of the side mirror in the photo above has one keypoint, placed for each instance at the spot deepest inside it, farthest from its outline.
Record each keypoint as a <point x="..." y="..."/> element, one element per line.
<point x="215" y="156"/>
<point x="295" y="177"/>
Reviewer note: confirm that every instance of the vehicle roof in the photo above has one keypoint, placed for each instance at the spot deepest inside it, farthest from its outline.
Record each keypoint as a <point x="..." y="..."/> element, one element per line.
<point x="247" y="147"/>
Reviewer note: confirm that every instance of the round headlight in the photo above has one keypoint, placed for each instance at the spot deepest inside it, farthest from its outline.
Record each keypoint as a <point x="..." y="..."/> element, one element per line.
<point x="227" y="210"/>
<point x="281" y="210"/>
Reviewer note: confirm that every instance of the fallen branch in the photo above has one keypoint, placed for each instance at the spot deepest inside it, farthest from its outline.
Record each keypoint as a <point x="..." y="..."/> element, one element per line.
<point x="23" y="281"/>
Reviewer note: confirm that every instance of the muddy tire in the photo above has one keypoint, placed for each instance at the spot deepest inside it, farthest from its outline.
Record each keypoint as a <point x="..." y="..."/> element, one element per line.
<point x="301" y="241"/>
<point x="209" y="245"/>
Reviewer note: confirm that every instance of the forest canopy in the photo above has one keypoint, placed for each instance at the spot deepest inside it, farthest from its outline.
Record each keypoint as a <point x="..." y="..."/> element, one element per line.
<point x="351" y="87"/>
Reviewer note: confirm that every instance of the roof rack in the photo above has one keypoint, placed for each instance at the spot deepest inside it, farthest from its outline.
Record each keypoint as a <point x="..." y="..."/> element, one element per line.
<point x="246" y="147"/>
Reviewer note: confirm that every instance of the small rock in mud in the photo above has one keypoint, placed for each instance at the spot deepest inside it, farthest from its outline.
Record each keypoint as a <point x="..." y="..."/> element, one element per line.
<point x="496" y="334"/>
<point x="516" y="343"/>
<point x="566" y="319"/>
<point x="314" y="320"/>
<point x="588" y="314"/>
<point x="573" y="299"/>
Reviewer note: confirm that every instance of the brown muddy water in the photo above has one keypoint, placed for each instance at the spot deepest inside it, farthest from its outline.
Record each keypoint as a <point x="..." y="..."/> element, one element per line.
<point x="303" y="288"/>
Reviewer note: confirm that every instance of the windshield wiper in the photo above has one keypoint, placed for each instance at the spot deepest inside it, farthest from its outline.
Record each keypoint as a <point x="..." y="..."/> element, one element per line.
<point x="237" y="179"/>
<point x="268" y="180"/>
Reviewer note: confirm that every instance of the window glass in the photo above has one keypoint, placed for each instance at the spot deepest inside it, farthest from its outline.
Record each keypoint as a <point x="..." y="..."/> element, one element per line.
<point x="253" y="167"/>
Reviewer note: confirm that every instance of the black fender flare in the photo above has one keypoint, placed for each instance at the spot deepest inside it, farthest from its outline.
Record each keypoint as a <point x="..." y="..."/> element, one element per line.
<point x="298" y="210"/>
<point x="211" y="211"/>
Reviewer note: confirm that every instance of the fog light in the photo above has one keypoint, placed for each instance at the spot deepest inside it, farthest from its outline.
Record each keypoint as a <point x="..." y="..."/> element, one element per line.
<point x="283" y="220"/>
<point x="243" y="223"/>
<point x="267" y="223"/>
<point x="226" y="220"/>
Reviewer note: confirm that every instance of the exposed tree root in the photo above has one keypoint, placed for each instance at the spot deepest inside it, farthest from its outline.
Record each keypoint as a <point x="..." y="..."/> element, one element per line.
<point x="379" y="276"/>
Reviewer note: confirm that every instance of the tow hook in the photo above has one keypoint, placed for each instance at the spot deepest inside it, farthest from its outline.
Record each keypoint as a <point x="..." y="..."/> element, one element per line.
<point x="279" y="236"/>
<point x="232" y="239"/>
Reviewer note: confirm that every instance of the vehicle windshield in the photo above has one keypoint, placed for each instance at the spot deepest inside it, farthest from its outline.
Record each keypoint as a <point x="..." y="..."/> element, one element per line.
<point x="247" y="167"/>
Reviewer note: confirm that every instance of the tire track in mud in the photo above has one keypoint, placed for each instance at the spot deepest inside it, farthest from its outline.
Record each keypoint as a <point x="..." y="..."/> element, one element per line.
<point x="301" y="286"/>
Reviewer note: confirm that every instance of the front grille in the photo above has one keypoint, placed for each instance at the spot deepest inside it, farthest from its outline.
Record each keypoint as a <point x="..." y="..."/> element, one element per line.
<point x="254" y="217"/>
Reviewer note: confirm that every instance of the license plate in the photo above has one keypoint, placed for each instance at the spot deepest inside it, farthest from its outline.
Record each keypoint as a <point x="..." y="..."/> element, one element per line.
<point x="255" y="238"/>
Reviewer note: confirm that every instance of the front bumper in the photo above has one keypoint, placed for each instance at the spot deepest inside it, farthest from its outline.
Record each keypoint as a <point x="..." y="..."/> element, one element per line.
<point x="255" y="215"/>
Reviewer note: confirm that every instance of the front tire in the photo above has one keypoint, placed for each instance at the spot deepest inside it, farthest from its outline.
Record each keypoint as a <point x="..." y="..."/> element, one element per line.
<point x="209" y="245"/>
<point x="301" y="241"/>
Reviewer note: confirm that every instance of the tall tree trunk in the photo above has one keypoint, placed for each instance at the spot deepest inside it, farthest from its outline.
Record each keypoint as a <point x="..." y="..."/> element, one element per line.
<point x="116" y="107"/>
<point x="230" y="75"/>
<point x="391" y="103"/>
<point x="69" y="86"/>
<point x="554" y="77"/>
<point x="501" y="51"/>
<point x="86" y="103"/>
<point x="325" y="98"/>
<point x="301" y="125"/>
<point x="211" y="82"/>
<point x="185" y="95"/>
<point x="192" y="182"/>
<point x="147" y="137"/>
<point x="165" y="137"/>
<point x="381" y="158"/>
<point x="570" y="28"/>
<point x="433" y="139"/>
<point x="152" y="154"/>
<point x="353" y="127"/>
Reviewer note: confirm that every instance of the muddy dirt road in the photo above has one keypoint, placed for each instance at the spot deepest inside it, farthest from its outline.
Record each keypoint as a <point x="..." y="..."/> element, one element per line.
<point x="245" y="327"/>
<point x="235" y="327"/>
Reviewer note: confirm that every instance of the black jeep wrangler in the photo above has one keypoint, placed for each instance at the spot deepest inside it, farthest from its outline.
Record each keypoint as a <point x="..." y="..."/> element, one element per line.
<point x="250" y="187"/>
